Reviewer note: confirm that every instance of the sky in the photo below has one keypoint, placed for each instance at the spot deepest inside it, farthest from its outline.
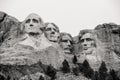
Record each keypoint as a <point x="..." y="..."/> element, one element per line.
<point x="70" y="16"/>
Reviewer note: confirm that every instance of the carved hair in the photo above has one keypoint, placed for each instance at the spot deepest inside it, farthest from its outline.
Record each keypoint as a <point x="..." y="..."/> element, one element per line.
<point x="83" y="32"/>
<point x="40" y="21"/>
<point x="97" y="43"/>
<point x="63" y="34"/>
<point x="46" y="24"/>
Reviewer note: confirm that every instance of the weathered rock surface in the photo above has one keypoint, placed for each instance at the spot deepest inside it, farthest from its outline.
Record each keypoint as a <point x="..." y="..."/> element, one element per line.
<point x="109" y="35"/>
<point x="13" y="53"/>
<point x="22" y="62"/>
<point x="70" y="76"/>
<point x="21" y="72"/>
<point x="8" y="26"/>
<point x="108" y="45"/>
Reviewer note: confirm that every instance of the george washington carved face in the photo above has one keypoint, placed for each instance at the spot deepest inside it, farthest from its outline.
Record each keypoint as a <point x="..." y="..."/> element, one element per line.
<point x="52" y="32"/>
<point x="32" y="24"/>
<point x="66" y="42"/>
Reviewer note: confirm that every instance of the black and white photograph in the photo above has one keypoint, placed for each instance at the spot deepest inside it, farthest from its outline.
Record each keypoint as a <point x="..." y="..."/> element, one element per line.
<point x="59" y="39"/>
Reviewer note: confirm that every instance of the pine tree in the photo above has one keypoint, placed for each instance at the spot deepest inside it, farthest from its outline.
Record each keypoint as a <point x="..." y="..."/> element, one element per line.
<point x="113" y="74"/>
<point x="2" y="77"/>
<point x="80" y="67"/>
<point x="51" y="72"/>
<point x="103" y="68"/>
<point x="74" y="59"/>
<point x="103" y="71"/>
<point x="95" y="76"/>
<point x="86" y="64"/>
<point x="66" y="67"/>
<point x="109" y="77"/>
<point x="75" y="71"/>
<point x="87" y="70"/>
<point x="41" y="78"/>
<point x="8" y="78"/>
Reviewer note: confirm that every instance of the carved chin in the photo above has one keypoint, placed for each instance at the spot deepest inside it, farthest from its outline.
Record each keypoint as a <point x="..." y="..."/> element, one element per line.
<point x="54" y="39"/>
<point x="67" y="51"/>
<point x="88" y="51"/>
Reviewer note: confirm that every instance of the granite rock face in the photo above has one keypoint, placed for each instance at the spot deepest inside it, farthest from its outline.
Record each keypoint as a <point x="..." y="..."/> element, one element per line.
<point x="109" y="35"/>
<point x="21" y="61"/>
<point x="8" y="26"/>
<point x="14" y="53"/>
<point x="107" y="39"/>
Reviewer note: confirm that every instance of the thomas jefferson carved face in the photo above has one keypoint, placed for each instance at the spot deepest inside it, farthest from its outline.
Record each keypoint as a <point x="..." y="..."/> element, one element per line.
<point x="52" y="32"/>
<point x="33" y="24"/>
<point x="66" y="43"/>
<point x="87" y="42"/>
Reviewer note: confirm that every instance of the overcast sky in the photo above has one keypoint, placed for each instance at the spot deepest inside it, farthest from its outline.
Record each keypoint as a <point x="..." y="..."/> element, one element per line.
<point x="70" y="15"/>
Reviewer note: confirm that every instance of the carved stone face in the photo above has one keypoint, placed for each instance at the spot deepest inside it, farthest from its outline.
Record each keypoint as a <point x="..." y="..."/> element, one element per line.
<point x="87" y="42"/>
<point x="66" y="43"/>
<point x="2" y="16"/>
<point x="52" y="32"/>
<point x="33" y="24"/>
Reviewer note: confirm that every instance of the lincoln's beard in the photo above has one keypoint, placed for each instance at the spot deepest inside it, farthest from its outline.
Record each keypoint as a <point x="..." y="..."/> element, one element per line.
<point x="53" y="38"/>
<point x="88" y="51"/>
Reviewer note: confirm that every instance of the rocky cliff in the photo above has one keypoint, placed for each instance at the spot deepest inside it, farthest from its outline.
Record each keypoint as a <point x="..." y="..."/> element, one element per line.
<point x="109" y="35"/>
<point x="21" y="62"/>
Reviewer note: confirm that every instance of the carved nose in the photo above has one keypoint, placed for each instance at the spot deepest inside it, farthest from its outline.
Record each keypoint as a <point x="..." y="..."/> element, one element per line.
<point x="52" y="32"/>
<point x="68" y="43"/>
<point x="31" y="24"/>
<point x="84" y="44"/>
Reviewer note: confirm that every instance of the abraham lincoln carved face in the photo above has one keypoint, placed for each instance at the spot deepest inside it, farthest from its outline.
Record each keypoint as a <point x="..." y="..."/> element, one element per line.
<point x="33" y="24"/>
<point x="52" y="32"/>
<point x="87" y="42"/>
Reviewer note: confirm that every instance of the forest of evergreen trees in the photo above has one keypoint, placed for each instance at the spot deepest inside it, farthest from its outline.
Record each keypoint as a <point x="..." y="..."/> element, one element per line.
<point x="80" y="68"/>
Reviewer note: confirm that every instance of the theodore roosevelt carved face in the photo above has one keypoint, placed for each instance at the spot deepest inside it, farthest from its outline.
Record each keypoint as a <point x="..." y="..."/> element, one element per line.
<point x="66" y="42"/>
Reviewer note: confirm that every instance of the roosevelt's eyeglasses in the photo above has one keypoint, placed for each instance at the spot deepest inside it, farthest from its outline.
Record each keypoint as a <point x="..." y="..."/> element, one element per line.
<point x="87" y="39"/>
<point x="33" y="20"/>
<point x="67" y="41"/>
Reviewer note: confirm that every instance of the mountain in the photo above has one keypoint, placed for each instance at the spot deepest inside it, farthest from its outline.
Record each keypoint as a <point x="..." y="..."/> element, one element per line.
<point x="109" y="35"/>
<point x="20" y="60"/>
<point x="107" y="40"/>
<point x="8" y="26"/>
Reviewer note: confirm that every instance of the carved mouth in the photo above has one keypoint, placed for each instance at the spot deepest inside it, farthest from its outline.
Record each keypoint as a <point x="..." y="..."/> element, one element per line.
<point x="85" y="48"/>
<point x="67" y="49"/>
<point x="52" y="36"/>
<point x="33" y="33"/>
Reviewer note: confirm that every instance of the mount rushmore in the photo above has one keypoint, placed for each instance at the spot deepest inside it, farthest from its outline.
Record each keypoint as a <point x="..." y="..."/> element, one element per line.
<point x="29" y="47"/>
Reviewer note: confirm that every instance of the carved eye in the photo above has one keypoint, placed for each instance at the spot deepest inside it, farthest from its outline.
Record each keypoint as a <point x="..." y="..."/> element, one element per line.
<point x="35" y="20"/>
<point x="64" y="40"/>
<point x="88" y="39"/>
<point x="67" y="41"/>
<point x="82" y="40"/>
<point x="54" y="29"/>
<point x="48" y="29"/>
<point x="27" y="21"/>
